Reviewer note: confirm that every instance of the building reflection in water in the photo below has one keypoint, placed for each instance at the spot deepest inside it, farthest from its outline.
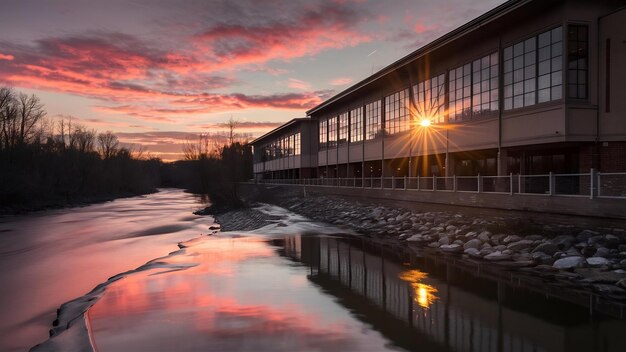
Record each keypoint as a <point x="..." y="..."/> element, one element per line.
<point x="440" y="308"/>
<point x="424" y="294"/>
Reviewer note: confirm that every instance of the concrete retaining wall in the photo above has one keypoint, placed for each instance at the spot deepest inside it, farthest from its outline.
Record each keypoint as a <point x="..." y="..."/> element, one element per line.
<point x="599" y="207"/>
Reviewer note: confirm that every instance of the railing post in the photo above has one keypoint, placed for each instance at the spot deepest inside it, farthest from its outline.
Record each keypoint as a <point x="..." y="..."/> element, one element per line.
<point x="454" y="182"/>
<point x="405" y="183"/>
<point x="592" y="175"/>
<point x="381" y="182"/>
<point x="519" y="183"/>
<point x="551" y="183"/>
<point x="479" y="187"/>
<point x="393" y="182"/>
<point x="511" y="183"/>
<point x="434" y="182"/>
<point x="418" y="182"/>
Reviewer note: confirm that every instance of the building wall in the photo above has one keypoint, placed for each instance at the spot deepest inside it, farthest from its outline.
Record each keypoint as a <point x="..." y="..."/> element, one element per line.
<point x="563" y="120"/>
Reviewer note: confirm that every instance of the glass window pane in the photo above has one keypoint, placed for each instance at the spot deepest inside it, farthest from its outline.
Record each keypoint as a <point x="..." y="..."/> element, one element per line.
<point x="557" y="78"/>
<point x="544" y="95"/>
<point x="529" y="44"/>
<point x="508" y="103"/>
<point x="544" y="39"/>
<point x="529" y="99"/>
<point x="556" y="92"/>
<point x="508" y="53"/>
<point x="544" y="81"/>
<point x="557" y="63"/>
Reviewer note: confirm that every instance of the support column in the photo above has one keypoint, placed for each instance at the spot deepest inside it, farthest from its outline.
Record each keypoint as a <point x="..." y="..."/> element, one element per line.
<point x="503" y="162"/>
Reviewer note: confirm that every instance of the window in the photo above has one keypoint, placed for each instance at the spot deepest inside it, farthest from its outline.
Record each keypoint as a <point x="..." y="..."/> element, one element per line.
<point x="460" y="95"/>
<point x="297" y="144"/>
<point x="332" y="132"/>
<point x="373" y="118"/>
<point x="533" y="70"/>
<point x="550" y="65"/>
<point x="577" y="56"/>
<point x="429" y="97"/>
<point x="356" y="125"/>
<point x="323" y="139"/>
<point x="485" y="85"/>
<point x="397" y="112"/>
<point x="343" y="128"/>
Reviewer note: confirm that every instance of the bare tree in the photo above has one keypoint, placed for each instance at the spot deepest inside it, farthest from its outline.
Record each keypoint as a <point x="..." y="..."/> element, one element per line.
<point x="30" y="112"/>
<point x="82" y="139"/>
<point x="107" y="144"/>
<point x="232" y="125"/>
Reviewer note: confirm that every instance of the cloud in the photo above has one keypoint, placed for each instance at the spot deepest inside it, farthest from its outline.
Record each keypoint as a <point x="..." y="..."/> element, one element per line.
<point x="6" y="57"/>
<point x="327" y="26"/>
<point x="298" y="84"/>
<point x="340" y="81"/>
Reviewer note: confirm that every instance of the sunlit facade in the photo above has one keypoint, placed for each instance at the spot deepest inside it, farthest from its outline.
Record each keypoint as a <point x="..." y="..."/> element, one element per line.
<point x="530" y="87"/>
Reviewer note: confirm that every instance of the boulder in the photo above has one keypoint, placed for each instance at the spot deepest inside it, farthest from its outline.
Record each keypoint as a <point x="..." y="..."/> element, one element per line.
<point x="474" y="243"/>
<point x="569" y="263"/>
<point x="451" y="248"/>
<point x="520" y="245"/>
<point x="511" y="239"/>
<point x="621" y="283"/>
<point x="547" y="248"/>
<point x="597" y="261"/>
<point x="584" y="235"/>
<point x="484" y="236"/>
<point x="602" y="252"/>
<point x="444" y="240"/>
<point x="434" y="245"/>
<point x="473" y="252"/>
<point x="497" y="256"/>
<point x="471" y="234"/>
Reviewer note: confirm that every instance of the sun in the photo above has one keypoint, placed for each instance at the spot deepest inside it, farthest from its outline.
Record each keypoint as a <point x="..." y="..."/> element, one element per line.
<point x="425" y="122"/>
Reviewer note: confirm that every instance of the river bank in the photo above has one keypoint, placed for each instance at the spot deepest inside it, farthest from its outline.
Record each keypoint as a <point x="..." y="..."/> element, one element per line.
<point x="590" y="258"/>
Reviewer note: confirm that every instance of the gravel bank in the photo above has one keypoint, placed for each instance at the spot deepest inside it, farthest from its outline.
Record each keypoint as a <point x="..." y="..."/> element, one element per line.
<point x="588" y="258"/>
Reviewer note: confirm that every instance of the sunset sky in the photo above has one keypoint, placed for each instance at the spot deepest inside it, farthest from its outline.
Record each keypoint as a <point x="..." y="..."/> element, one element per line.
<point x="155" y="71"/>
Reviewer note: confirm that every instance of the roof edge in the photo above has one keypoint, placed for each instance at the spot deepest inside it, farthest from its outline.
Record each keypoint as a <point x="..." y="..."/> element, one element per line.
<point x="435" y="44"/>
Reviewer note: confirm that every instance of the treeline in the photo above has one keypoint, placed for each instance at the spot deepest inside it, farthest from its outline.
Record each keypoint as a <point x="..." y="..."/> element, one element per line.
<point x="46" y="163"/>
<point x="212" y="169"/>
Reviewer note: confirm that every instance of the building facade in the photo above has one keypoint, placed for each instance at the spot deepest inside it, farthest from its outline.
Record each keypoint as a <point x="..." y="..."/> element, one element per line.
<point x="530" y="87"/>
<point x="287" y="152"/>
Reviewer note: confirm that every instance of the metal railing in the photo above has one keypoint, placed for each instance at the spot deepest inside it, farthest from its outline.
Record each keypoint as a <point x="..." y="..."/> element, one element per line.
<point x="592" y="185"/>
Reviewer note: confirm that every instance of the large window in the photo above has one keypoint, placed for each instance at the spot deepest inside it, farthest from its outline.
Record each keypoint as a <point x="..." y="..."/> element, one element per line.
<point x="485" y="85"/>
<point x="397" y="112"/>
<point x="533" y="70"/>
<point x="577" y="56"/>
<point x="297" y="144"/>
<point x="323" y="139"/>
<point x="356" y="125"/>
<point x="460" y="93"/>
<point x="343" y="128"/>
<point x="332" y="132"/>
<point x="373" y="129"/>
<point x="429" y="97"/>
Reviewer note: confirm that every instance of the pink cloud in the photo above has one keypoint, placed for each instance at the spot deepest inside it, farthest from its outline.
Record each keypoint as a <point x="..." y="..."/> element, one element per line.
<point x="298" y="84"/>
<point x="6" y="57"/>
<point x="315" y="30"/>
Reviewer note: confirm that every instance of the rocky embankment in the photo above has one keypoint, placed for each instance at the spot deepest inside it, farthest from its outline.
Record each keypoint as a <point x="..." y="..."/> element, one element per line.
<point x="589" y="258"/>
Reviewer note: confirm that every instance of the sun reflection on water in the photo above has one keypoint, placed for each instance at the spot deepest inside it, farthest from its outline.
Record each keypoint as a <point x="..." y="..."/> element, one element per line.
<point x="425" y="295"/>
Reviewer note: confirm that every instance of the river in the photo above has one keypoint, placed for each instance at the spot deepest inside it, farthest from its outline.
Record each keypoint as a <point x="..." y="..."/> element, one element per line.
<point x="293" y="285"/>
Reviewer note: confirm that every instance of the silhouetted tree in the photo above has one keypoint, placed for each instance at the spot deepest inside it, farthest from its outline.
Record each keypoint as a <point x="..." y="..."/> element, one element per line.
<point x="107" y="144"/>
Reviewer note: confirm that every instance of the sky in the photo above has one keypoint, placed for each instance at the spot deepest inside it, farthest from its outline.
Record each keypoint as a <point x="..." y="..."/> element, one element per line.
<point x="157" y="71"/>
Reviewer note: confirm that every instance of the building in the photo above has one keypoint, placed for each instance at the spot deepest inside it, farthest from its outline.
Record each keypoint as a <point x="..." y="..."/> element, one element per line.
<point x="287" y="152"/>
<point x="530" y="87"/>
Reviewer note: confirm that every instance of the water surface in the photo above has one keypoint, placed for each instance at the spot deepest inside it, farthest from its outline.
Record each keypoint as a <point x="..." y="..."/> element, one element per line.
<point x="50" y="257"/>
